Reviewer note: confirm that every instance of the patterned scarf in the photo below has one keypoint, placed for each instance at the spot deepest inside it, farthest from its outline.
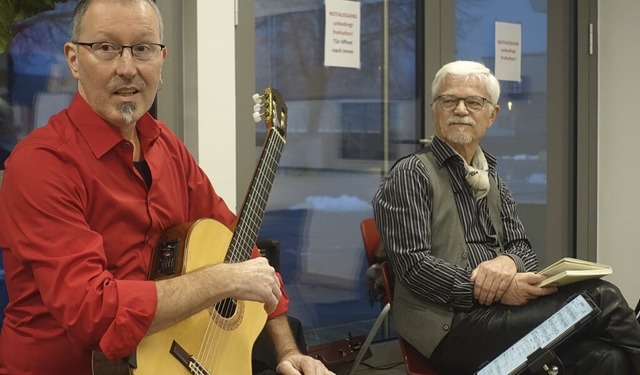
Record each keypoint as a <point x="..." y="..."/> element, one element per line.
<point x="478" y="174"/>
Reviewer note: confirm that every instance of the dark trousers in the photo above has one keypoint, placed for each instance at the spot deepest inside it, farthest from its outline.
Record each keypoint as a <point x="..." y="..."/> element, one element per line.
<point x="608" y="344"/>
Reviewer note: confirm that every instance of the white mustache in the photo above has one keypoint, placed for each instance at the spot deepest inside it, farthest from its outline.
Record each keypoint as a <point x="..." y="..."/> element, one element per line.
<point x="461" y="120"/>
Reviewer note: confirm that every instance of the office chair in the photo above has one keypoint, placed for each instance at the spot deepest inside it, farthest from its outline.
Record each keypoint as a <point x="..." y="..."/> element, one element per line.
<point x="415" y="363"/>
<point x="371" y="237"/>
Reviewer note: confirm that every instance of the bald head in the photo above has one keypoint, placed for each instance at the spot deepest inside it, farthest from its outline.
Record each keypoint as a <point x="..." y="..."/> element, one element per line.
<point x="83" y="5"/>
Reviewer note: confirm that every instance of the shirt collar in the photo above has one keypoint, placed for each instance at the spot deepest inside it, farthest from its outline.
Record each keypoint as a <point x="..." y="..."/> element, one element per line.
<point x="99" y="135"/>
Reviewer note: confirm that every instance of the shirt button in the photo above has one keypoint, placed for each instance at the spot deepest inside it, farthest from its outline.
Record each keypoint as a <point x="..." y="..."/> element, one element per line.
<point x="127" y="144"/>
<point x="147" y="239"/>
<point x="445" y="327"/>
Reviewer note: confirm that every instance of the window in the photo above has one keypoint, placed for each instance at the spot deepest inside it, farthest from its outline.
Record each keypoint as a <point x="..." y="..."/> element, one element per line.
<point x="345" y="127"/>
<point x="518" y="136"/>
<point x="35" y="81"/>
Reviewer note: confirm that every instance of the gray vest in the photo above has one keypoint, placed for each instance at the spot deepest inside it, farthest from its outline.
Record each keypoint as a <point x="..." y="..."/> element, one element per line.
<point x="424" y="323"/>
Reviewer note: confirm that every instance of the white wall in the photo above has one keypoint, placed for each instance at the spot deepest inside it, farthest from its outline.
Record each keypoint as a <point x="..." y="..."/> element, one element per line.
<point x="618" y="143"/>
<point x="216" y="95"/>
<point x="209" y="79"/>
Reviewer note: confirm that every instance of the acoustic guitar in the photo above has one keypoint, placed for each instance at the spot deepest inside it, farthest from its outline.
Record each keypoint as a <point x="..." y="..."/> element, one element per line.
<point x="218" y="340"/>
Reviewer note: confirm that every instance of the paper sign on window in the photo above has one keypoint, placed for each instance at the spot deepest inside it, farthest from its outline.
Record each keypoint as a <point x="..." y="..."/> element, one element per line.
<point x="342" y="34"/>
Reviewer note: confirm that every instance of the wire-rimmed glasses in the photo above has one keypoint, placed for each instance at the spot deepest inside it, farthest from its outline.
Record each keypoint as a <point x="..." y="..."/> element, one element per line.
<point x="107" y="51"/>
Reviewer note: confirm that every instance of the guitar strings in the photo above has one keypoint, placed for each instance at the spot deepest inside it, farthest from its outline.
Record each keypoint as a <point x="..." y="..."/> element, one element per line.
<point x="211" y="337"/>
<point x="250" y="222"/>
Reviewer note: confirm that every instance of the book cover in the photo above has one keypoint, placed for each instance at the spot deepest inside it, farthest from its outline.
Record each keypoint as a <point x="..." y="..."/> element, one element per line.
<point x="570" y="270"/>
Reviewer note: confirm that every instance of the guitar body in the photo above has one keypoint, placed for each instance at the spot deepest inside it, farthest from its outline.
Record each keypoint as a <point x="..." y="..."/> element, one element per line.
<point x="223" y="345"/>
<point x="220" y="339"/>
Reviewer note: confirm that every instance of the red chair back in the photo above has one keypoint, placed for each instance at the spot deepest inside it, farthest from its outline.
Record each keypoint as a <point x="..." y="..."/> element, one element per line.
<point x="370" y="238"/>
<point x="415" y="363"/>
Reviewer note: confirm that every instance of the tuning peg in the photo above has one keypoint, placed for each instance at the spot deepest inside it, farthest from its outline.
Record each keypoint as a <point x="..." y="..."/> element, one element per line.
<point x="257" y="98"/>
<point x="257" y="116"/>
<point x="257" y="107"/>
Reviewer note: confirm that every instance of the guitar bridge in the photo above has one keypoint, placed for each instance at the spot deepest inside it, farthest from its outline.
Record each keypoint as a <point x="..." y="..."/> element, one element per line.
<point x="187" y="360"/>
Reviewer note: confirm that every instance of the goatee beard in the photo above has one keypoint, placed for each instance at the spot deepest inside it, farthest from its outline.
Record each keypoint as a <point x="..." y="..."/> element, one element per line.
<point x="127" y="110"/>
<point x="459" y="138"/>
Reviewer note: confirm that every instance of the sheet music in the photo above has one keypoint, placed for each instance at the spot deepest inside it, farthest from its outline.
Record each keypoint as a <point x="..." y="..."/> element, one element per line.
<point x="541" y="337"/>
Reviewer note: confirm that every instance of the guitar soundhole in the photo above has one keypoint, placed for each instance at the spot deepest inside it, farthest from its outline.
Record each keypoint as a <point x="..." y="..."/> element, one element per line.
<point x="226" y="308"/>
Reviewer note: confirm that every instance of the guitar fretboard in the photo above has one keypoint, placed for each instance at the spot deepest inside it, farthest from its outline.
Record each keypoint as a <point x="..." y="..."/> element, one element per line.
<point x="252" y="212"/>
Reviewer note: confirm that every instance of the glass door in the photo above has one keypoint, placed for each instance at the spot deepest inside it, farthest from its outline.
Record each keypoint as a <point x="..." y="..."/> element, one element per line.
<point x="345" y="127"/>
<point x="518" y="137"/>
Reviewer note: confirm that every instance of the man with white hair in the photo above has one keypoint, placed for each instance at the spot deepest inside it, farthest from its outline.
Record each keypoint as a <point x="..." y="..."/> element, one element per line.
<point x="466" y="282"/>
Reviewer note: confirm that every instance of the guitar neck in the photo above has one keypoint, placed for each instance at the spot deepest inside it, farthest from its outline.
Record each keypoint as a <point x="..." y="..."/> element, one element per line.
<point x="255" y="203"/>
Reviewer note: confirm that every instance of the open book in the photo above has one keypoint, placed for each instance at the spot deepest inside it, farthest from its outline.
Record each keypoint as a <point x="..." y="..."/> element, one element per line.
<point x="571" y="270"/>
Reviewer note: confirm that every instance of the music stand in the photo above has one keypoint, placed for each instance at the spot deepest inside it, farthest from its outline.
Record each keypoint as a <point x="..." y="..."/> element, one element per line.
<point x="534" y="352"/>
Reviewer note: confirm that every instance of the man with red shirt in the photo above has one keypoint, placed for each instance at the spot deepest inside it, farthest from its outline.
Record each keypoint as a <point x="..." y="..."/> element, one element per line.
<point x="84" y="200"/>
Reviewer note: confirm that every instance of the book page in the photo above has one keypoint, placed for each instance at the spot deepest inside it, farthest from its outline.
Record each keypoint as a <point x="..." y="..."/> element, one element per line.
<point x="573" y="276"/>
<point x="566" y="264"/>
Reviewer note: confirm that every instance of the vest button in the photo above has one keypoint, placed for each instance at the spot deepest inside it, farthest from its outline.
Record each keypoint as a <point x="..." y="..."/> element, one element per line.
<point x="445" y="327"/>
<point x="450" y="309"/>
<point x="464" y="255"/>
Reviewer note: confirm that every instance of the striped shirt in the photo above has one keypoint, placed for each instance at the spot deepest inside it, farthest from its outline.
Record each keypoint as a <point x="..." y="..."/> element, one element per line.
<point x="402" y="208"/>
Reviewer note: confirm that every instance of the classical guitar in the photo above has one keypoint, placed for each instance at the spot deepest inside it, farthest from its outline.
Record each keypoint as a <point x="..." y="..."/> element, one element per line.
<point x="218" y="340"/>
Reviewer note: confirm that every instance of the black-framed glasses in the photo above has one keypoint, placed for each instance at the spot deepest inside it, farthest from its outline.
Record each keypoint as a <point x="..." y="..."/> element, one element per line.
<point x="473" y="103"/>
<point x="108" y="51"/>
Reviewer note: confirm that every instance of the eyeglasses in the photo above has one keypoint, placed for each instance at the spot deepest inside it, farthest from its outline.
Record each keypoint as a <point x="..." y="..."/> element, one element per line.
<point x="107" y="51"/>
<point x="473" y="103"/>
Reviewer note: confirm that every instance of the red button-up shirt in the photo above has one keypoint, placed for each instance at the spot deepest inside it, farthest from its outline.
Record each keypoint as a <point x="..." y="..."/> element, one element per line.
<point x="78" y="226"/>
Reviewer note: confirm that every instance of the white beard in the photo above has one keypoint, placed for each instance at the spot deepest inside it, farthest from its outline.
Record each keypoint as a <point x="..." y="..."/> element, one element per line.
<point x="459" y="138"/>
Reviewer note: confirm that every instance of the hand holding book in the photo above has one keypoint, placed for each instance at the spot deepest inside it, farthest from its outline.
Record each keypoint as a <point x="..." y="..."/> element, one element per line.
<point x="570" y="270"/>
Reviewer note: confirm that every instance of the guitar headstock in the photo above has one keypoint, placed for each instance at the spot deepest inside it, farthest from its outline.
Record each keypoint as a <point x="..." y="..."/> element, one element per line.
<point x="271" y="107"/>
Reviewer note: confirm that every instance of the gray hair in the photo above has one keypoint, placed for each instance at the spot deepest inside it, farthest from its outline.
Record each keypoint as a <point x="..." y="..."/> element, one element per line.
<point x="83" y="5"/>
<point x="468" y="70"/>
